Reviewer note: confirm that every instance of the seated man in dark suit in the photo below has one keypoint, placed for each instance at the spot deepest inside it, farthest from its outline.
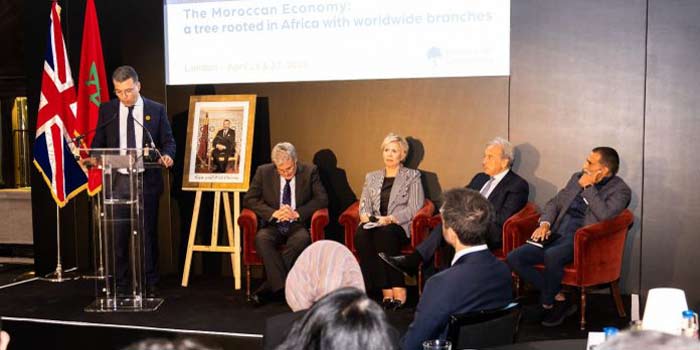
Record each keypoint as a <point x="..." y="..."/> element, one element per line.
<point x="477" y="280"/>
<point x="506" y="190"/>
<point x="284" y="195"/>
<point x="224" y="147"/>
<point x="592" y="195"/>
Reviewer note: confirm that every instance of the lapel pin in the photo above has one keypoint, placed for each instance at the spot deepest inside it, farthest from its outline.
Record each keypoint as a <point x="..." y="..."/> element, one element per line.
<point x="148" y="118"/>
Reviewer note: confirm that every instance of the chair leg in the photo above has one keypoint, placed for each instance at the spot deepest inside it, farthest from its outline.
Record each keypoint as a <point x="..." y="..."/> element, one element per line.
<point x="615" y="292"/>
<point x="247" y="281"/>
<point x="583" y="308"/>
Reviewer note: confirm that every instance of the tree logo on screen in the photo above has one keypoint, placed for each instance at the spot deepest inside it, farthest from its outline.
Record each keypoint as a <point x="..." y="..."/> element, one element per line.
<point x="434" y="53"/>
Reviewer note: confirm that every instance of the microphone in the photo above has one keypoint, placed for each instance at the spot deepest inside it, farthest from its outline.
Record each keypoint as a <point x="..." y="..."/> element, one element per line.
<point x="146" y="150"/>
<point x="76" y="140"/>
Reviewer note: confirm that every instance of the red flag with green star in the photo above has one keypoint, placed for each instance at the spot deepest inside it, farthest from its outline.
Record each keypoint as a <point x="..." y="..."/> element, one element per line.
<point x="92" y="87"/>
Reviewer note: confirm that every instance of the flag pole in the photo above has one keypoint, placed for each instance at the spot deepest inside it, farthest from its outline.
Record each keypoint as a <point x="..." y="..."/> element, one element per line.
<point x="59" y="275"/>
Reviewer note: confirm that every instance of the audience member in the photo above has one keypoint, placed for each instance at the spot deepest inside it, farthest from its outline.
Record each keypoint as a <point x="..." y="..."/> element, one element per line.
<point x="320" y="269"/>
<point x="4" y="340"/>
<point x="594" y="194"/>
<point x="284" y="195"/>
<point x="345" y="319"/>
<point x="506" y="190"/>
<point x="390" y="198"/>
<point x="477" y="280"/>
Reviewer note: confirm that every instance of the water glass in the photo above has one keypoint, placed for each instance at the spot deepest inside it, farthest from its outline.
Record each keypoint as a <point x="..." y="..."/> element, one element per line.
<point x="437" y="344"/>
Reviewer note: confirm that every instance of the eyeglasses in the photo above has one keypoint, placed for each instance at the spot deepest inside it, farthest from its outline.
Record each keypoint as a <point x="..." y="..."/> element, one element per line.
<point x="128" y="91"/>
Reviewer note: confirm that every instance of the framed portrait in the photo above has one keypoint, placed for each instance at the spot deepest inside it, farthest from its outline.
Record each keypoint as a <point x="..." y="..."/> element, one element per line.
<point x="219" y="143"/>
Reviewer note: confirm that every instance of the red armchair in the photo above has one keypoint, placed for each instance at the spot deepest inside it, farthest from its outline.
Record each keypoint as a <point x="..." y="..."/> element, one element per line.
<point x="248" y="222"/>
<point x="513" y="222"/>
<point x="598" y="250"/>
<point x="520" y="221"/>
<point x="420" y="227"/>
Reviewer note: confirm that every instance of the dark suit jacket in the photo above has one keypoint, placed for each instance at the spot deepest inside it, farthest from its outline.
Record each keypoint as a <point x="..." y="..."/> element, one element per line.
<point x="507" y="198"/>
<point x="263" y="196"/>
<point x="154" y="119"/>
<point x="229" y="141"/>
<point x="477" y="281"/>
<point x="603" y="204"/>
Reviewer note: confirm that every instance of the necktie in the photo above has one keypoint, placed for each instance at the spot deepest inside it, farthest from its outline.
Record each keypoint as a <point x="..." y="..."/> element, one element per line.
<point x="286" y="200"/>
<point x="485" y="190"/>
<point x="130" y="133"/>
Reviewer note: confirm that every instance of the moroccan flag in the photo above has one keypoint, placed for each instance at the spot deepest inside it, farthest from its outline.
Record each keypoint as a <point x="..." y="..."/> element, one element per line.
<point x="92" y="87"/>
<point x="56" y="121"/>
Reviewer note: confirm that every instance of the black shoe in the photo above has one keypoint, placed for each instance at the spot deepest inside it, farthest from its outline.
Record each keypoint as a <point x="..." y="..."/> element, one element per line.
<point x="397" y="304"/>
<point x="399" y="263"/>
<point x="559" y="313"/>
<point x="388" y="304"/>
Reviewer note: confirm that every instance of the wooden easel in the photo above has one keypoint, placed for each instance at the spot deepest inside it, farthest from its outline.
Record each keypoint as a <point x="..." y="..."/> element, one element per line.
<point x="234" y="234"/>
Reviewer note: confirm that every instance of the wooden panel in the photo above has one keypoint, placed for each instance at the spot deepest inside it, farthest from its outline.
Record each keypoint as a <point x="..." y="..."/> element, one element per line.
<point x="577" y="81"/>
<point x="671" y="200"/>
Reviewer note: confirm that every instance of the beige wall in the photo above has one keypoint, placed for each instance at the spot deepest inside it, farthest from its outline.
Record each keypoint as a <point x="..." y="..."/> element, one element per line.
<point x="452" y="118"/>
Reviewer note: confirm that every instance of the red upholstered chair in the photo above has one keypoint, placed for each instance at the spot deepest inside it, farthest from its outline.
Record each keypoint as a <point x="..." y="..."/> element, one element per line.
<point x="514" y="221"/>
<point x="521" y="220"/>
<point x="350" y="219"/>
<point x="598" y="250"/>
<point x="248" y="222"/>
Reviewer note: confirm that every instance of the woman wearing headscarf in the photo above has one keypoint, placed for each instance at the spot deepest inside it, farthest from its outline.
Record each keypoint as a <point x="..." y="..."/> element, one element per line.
<point x="322" y="268"/>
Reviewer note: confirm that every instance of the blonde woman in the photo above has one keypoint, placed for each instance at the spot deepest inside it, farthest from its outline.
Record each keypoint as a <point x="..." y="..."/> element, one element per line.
<point x="390" y="198"/>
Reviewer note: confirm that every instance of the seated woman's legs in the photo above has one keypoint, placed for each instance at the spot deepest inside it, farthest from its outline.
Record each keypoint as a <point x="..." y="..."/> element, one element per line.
<point x="389" y="240"/>
<point x="369" y="262"/>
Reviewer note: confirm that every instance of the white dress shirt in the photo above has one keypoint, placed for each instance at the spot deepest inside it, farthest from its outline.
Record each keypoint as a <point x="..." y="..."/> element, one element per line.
<point x="465" y="251"/>
<point x="138" y="130"/>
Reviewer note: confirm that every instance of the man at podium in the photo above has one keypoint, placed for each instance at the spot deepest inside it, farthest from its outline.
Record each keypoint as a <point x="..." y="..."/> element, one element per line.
<point x="133" y="121"/>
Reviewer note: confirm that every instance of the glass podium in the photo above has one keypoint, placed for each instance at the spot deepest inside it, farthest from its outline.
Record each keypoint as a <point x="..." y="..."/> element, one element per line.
<point x="120" y="229"/>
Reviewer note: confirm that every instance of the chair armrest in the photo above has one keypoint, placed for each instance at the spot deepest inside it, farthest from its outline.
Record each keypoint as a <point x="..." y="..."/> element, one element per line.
<point x="248" y="222"/>
<point x="598" y="249"/>
<point x="516" y="219"/>
<point x="420" y="224"/>
<point x="350" y="218"/>
<point x="434" y="221"/>
<point x="517" y="231"/>
<point x="318" y="223"/>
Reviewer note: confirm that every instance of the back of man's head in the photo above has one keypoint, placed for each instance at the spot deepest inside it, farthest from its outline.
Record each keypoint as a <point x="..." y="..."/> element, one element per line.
<point x="468" y="214"/>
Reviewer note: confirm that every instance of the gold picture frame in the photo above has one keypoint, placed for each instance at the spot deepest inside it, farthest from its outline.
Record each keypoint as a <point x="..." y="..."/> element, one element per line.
<point x="219" y="143"/>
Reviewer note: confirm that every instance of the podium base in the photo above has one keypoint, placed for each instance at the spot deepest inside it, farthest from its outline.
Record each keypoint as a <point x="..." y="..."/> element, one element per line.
<point x="59" y="276"/>
<point x="125" y="304"/>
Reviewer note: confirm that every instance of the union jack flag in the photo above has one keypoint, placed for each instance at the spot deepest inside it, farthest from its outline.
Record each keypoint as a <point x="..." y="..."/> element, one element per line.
<point x="56" y="121"/>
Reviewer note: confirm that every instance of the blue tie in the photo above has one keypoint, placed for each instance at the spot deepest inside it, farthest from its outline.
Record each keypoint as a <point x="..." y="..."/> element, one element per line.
<point x="130" y="132"/>
<point x="286" y="199"/>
